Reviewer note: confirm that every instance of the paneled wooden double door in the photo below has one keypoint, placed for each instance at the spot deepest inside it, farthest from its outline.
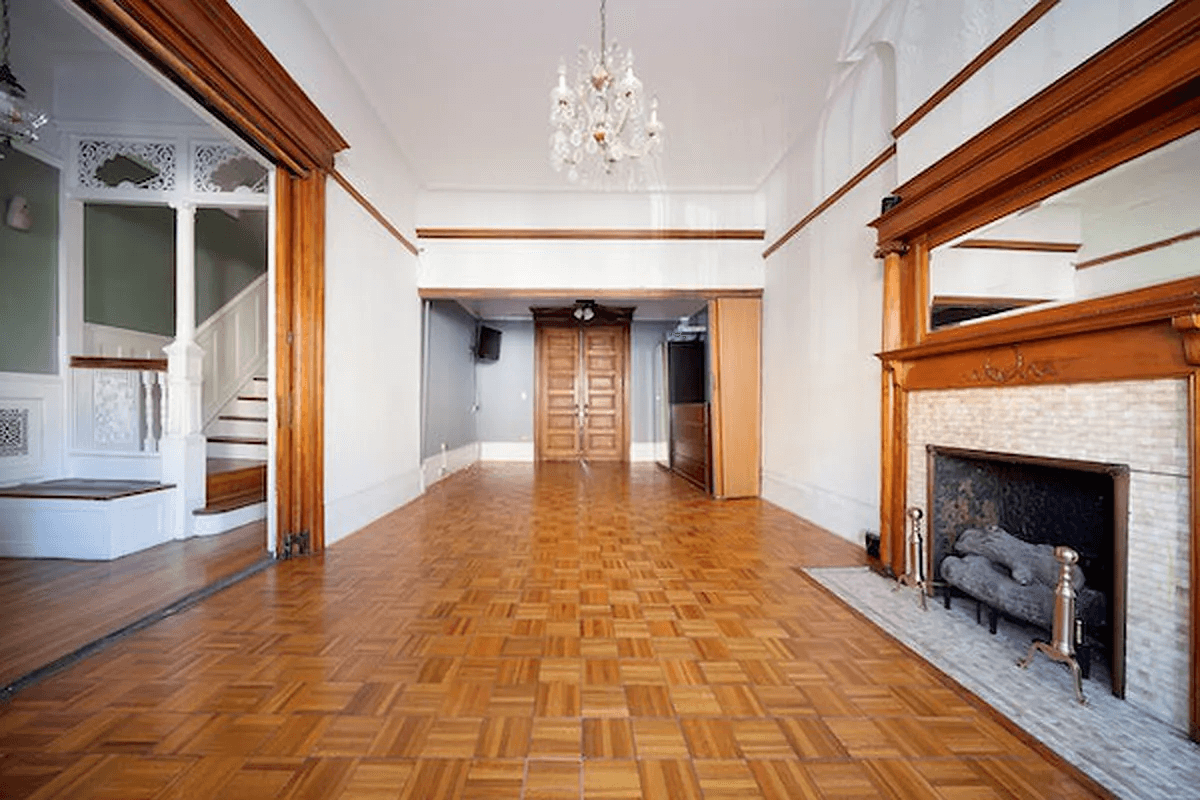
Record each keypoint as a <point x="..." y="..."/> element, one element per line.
<point x="582" y="398"/>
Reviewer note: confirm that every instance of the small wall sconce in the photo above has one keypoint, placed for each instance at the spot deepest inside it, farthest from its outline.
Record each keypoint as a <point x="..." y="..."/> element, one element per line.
<point x="18" y="217"/>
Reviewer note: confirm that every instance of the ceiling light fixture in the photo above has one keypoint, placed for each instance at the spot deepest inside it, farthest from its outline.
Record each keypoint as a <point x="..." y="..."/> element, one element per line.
<point x="18" y="119"/>
<point x="600" y="128"/>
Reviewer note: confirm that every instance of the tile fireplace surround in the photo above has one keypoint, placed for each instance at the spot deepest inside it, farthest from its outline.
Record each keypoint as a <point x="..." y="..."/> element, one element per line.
<point x="1142" y="424"/>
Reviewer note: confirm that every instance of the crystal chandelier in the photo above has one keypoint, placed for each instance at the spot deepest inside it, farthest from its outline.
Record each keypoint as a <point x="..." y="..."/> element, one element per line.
<point x="600" y="128"/>
<point x="18" y="119"/>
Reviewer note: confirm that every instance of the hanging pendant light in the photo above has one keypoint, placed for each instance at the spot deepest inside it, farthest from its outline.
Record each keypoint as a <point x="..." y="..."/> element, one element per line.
<point x="600" y="128"/>
<point x="19" y="120"/>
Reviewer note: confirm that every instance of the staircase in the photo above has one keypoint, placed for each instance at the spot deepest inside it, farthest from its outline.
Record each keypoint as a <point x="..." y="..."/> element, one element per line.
<point x="236" y="484"/>
<point x="239" y="430"/>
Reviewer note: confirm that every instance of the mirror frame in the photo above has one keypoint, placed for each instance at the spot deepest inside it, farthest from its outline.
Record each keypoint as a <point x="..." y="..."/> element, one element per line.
<point x="1139" y="93"/>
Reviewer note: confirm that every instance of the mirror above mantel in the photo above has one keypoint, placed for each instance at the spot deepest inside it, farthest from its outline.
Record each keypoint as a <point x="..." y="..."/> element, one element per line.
<point x="1136" y="225"/>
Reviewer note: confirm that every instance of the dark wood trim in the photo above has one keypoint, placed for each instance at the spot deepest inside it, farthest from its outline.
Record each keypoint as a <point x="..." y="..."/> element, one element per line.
<point x="1134" y="251"/>
<point x="841" y="192"/>
<point x="1160" y="303"/>
<point x="435" y="293"/>
<point x="1134" y="96"/>
<point x="994" y="49"/>
<point x="1017" y="244"/>
<point x="212" y="54"/>
<point x="300" y="357"/>
<point x="106" y="362"/>
<point x="984" y="301"/>
<point x="593" y="234"/>
<point x="370" y="208"/>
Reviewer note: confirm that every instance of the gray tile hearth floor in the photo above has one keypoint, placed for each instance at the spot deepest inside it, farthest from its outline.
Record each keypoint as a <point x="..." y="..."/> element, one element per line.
<point x="1124" y="749"/>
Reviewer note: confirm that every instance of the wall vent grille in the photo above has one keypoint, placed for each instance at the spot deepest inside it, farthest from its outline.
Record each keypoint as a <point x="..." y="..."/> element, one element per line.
<point x="14" y="432"/>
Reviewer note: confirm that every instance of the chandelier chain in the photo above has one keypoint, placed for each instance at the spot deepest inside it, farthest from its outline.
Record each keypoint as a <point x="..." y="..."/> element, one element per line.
<point x="4" y="44"/>
<point x="603" y="29"/>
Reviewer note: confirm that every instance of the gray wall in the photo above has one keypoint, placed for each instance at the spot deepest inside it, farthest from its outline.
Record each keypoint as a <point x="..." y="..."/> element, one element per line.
<point x="506" y="386"/>
<point x="129" y="267"/>
<point x="29" y="267"/>
<point x="230" y="254"/>
<point x="129" y="263"/>
<point x="646" y="379"/>
<point x="450" y="375"/>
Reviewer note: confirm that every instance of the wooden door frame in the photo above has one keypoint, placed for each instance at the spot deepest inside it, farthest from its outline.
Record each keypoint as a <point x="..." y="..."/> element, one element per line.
<point x="210" y="52"/>
<point x="561" y="317"/>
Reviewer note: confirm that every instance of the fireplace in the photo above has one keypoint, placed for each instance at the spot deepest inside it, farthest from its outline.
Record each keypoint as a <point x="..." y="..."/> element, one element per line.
<point x="1139" y="423"/>
<point x="1080" y="504"/>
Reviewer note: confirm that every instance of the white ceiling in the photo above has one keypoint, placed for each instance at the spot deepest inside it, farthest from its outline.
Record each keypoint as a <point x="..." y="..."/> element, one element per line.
<point x="464" y="85"/>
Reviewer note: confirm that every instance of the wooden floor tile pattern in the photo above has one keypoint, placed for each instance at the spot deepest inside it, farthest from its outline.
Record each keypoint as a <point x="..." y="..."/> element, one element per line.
<point x="51" y="607"/>
<point x="521" y="632"/>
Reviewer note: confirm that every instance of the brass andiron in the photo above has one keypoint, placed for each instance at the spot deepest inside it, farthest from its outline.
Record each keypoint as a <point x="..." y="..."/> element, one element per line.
<point x="1062" y="649"/>
<point x="914" y="576"/>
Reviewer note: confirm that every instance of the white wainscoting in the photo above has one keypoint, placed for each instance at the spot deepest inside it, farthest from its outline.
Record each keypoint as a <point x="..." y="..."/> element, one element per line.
<point x="31" y="429"/>
<point x="234" y="340"/>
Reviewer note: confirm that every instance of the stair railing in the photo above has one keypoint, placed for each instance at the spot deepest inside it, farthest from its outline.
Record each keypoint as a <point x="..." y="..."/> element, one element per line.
<point x="234" y="340"/>
<point x="118" y="403"/>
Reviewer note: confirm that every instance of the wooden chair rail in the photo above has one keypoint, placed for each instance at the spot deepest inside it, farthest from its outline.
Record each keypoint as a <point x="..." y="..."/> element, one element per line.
<point x="107" y="362"/>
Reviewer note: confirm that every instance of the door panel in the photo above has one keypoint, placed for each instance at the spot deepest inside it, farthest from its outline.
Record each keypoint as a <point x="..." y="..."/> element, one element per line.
<point x="582" y="399"/>
<point x="604" y="395"/>
<point x="558" y="398"/>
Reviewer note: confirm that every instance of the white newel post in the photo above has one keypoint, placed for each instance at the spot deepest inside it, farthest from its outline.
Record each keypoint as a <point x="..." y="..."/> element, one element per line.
<point x="183" y="444"/>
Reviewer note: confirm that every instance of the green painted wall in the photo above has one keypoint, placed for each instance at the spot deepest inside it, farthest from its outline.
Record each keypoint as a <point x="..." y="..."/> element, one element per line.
<point x="29" y="267"/>
<point x="129" y="267"/>
<point x="230" y="253"/>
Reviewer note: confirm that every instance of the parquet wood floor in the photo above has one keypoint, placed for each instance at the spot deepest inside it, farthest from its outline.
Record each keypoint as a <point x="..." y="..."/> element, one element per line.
<point x="521" y="632"/>
<point x="50" y="607"/>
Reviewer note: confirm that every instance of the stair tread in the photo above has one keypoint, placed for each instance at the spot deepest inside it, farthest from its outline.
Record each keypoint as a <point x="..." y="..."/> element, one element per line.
<point x="215" y="466"/>
<point x="232" y="502"/>
<point x="237" y="440"/>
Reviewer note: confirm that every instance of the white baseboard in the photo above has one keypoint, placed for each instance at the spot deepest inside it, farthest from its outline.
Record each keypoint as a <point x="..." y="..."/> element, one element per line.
<point x="843" y="516"/>
<point x="442" y="465"/>
<point x="506" y="451"/>
<point x="648" y="451"/>
<point x="352" y="512"/>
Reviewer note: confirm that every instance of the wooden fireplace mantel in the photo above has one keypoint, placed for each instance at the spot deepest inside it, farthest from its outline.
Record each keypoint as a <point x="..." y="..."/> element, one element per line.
<point x="1136" y="95"/>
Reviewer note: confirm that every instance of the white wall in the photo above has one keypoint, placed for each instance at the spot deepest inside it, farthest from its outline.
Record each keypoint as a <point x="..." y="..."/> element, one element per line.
<point x="525" y="264"/>
<point x="936" y="39"/>
<point x="823" y="291"/>
<point x="372" y="312"/>
<point x="372" y="370"/>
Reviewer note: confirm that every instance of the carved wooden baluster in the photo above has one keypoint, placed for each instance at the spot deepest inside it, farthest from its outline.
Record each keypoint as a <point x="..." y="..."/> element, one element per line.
<point x="149" y="442"/>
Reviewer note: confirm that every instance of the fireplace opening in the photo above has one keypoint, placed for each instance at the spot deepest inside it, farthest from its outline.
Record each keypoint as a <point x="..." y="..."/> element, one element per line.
<point x="1080" y="504"/>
